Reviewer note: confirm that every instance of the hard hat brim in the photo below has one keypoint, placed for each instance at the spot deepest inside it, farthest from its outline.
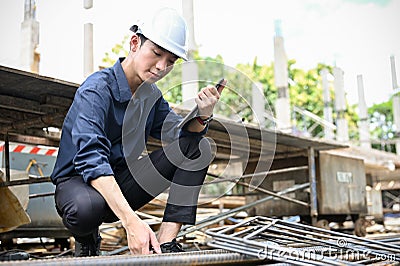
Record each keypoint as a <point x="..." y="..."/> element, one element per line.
<point x="136" y="29"/>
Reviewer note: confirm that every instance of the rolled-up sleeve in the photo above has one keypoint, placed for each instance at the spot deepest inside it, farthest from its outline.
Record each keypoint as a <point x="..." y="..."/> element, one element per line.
<point x="88" y="135"/>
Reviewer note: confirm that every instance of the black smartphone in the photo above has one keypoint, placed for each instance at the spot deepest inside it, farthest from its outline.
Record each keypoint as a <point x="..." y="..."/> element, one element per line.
<point x="192" y="114"/>
<point x="220" y="86"/>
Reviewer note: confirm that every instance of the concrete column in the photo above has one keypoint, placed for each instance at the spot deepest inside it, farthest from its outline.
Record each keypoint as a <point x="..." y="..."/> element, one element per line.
<point x="88" y="65"/>
<point x="396" y="103"/>
<point x="363" y="125"/>
<point x="312" y="177"/>
<point x="87" y="4"/>
<point x="258" y="104"/>
<point x="282" y="104"/>
<point x="342" y="131"/>
<point x="29" y="55"/>
<point x="187" y="7"/>
<point x="328" y="131"/>
<point x="88" y="49"/>
<point x="190" y="75"/>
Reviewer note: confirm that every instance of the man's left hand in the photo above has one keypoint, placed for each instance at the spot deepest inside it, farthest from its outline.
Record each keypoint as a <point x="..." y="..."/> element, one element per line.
<point x="206" y="100"/>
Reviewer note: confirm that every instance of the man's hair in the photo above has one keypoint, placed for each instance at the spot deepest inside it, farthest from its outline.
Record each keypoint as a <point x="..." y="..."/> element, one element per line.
<point x="142" y="39"/>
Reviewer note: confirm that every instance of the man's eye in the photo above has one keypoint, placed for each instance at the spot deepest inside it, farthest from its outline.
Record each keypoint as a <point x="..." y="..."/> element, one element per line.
<point x="156" y="53"/>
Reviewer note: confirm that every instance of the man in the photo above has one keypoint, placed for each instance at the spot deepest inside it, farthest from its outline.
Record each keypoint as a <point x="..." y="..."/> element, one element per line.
<point x="98" y="175"/>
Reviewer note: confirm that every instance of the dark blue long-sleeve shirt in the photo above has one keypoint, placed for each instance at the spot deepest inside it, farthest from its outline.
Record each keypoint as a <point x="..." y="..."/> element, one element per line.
<point x="105" y="122"/>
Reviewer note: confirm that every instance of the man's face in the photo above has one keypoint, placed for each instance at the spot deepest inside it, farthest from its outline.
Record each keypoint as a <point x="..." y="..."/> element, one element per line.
<point x="153" y="62"/>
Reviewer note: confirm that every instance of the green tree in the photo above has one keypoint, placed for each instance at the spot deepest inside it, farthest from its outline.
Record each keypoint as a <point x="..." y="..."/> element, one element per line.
<point x="382" y="127"/>
<point x="304" y="87"/>
<point x="117" y="51"/>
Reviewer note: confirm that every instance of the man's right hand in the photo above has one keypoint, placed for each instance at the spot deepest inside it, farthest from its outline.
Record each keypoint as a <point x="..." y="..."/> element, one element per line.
<point x="139" y="234"/>
<point x="140" y="237"/>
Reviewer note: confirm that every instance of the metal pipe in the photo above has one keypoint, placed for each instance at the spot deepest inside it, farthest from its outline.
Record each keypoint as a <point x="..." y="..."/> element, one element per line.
<point x="214" y="219"/>
<point x="274" y="194"/>
<point x="313" y="186"/>
<point x="41" y="195"/>
<point x="24" y="182"/>
<point x="271" y="172"/>
<point x="208" y="257"/>
<point x="7" y="157"/>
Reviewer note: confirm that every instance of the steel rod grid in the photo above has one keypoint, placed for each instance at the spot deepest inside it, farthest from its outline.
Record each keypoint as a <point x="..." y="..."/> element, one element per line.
<point x="258" y="234"/>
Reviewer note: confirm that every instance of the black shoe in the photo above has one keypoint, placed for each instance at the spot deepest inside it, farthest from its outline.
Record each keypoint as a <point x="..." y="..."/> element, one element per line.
<point x="171" y="247"/>
<point x="88" y="245"/>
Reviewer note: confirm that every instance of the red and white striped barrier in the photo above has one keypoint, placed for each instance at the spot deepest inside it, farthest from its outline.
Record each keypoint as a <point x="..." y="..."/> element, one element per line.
<point x="31" y="149"/>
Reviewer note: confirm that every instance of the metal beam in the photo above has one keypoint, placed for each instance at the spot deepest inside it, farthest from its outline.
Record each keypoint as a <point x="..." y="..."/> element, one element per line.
<point x="7" y="158"/>
<point x="313" y="185"/>
<point x="24" y="181"/>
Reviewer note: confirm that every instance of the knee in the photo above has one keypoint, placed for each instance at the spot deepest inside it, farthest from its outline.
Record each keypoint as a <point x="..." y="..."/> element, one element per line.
<point x="82" y="216"/>
<point x="200" y="148"/>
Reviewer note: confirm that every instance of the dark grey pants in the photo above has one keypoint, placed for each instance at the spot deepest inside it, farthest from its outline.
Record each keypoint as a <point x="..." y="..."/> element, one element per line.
<point x="83" y="209"/>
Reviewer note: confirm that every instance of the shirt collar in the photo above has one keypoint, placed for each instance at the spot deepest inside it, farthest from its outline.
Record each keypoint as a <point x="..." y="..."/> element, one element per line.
<point x="123" y="92"/>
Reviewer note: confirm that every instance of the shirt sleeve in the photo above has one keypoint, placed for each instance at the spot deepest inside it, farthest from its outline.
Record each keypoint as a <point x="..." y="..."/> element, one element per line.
<point x="166" y="121"/>
<point x="89" y="136"/>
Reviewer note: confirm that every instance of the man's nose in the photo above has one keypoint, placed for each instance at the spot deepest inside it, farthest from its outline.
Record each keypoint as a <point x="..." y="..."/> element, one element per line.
<point x="161" y="65"/>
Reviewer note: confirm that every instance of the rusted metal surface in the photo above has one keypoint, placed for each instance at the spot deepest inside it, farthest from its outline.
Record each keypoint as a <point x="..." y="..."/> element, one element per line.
<point x="299" y="244"/>
<point x="208" y="257"/>
<point x="342" y="185"/>
<point x="339" y="188"/>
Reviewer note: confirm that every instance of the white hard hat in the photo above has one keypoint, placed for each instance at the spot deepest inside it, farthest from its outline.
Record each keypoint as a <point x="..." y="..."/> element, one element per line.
<point x="167" y="29"/>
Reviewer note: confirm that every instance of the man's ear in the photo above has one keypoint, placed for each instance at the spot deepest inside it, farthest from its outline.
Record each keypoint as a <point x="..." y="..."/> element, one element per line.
<point x="134" y="43"/>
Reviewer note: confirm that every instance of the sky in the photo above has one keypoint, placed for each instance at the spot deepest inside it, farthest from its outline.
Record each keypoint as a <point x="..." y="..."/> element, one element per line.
<point x="359" y="36"/>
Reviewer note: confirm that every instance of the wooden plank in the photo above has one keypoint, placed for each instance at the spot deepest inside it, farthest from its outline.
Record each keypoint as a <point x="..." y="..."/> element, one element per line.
<point x="10" y="116"/>
<point x="35" y="122"/>
<point x="56" y="102"/>
<point x="44" y="140"/>
<point x="21" y="105"/>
